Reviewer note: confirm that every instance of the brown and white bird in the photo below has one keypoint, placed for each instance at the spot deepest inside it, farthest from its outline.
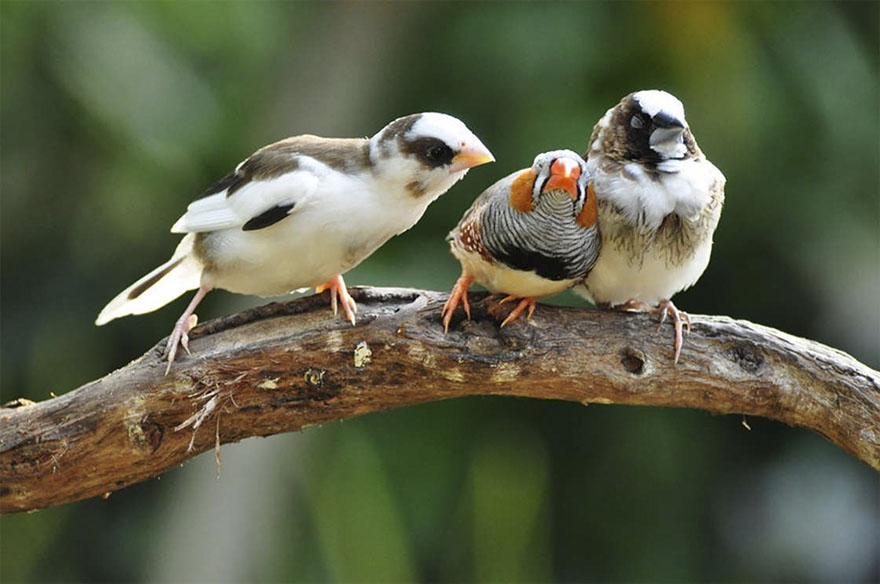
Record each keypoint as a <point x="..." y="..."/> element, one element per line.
<point x="659" y="203"/>
<point x="531" y="234"/>
<point x="301" y="212"/>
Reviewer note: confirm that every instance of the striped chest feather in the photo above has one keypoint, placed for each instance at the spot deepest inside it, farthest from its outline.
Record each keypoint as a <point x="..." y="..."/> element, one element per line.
<point x="547" y="240"/>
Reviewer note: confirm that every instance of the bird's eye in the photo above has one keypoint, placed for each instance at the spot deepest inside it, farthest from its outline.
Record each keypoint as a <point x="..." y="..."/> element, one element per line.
<point x="432" y="152"/>
<point x="637" y="122"/>
<point x="438" y="153"/>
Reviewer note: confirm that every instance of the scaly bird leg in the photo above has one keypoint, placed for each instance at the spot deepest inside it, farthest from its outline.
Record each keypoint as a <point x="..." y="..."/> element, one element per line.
<point x="458" y="294"/>
<point x="666" y="307"/>
<point x="338" y="290"/>
<point x="180" y="333"/>
<point x="523" y="304"/>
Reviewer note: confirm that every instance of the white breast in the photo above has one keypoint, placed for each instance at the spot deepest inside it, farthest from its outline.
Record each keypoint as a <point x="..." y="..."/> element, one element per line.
<point x="632" y="267"/>
<point x="615" y="279"/>
<point x="683" y="188"/>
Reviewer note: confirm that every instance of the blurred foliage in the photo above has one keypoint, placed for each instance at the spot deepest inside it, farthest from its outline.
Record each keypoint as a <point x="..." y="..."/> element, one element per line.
<point x="115" y="115"/>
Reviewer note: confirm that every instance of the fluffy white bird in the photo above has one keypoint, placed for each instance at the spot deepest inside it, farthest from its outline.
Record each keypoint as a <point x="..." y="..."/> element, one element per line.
<point x="659" y="203"/>
<point x="301" y="212"/>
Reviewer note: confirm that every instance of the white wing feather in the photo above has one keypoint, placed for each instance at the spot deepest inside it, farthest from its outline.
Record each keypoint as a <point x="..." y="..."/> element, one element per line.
<point x="179" y="274"/>
<point x="218" y="211"/>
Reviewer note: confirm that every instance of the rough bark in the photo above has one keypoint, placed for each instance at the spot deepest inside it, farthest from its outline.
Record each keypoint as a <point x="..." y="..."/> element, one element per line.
<point x="288" y="366"/>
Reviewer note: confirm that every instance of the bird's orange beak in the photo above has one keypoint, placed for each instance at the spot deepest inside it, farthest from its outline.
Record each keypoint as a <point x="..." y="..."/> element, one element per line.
<point x="564" y="174"/>
<point x="471" y="155"/>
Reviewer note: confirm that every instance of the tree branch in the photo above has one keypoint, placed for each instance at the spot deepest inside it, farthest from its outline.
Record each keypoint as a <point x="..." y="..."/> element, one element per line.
<point x="288" y="366"/>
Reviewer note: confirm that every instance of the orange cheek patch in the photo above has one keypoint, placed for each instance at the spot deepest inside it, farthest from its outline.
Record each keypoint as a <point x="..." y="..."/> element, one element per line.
<point x="587" y="216"/>
<point x="521" y="191"/>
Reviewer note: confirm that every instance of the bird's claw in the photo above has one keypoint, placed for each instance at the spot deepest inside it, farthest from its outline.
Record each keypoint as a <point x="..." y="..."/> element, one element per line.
<point x="184" y="342"/>
<point x="339" y="295"/>
<point x="191" y="323"/>
<point x="679" y="318"/>
<point x="458" y="294"/>
<point x="180" y="334"/>
<point x="179" y="338"/>
<point x="523" y="304"/>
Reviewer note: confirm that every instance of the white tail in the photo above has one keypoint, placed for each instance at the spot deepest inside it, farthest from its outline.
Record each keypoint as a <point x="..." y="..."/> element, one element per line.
<point x="179" y="274"/>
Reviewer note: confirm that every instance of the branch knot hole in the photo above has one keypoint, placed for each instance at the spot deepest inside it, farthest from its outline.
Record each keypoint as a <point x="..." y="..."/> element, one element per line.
<point x="747" y="357"/>
<point x="632" y="360"/>
<point x="145" y="436"/>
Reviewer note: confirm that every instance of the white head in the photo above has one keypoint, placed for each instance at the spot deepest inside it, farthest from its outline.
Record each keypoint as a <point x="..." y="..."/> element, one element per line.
<point x="646" y="126"/>
<point x="654" y="101"/>
<point x="427" y="153"/>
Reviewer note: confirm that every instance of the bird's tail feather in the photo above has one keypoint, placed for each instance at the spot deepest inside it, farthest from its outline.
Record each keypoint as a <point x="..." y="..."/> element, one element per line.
<point x="179" y="274"/>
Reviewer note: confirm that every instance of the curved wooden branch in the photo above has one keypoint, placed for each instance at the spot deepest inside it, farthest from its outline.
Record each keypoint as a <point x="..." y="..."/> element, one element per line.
<point x="284" y="367"/>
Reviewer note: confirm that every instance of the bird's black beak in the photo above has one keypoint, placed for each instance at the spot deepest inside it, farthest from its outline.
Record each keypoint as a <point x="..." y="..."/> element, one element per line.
<point x="665" y="120"/>
<point x="667" y="130"/>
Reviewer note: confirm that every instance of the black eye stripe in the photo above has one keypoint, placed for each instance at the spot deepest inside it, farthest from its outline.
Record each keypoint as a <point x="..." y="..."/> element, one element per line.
<point x="544" y="182"/>
<point x="431" y="151"/>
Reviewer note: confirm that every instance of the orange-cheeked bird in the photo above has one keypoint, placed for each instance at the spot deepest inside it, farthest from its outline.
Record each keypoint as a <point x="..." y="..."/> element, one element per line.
<point x="530" y="235"/>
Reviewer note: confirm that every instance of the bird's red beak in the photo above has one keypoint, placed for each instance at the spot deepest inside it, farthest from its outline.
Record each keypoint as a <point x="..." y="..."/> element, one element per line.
<point x="564" y="174"/>
<point x="471" y="155"/>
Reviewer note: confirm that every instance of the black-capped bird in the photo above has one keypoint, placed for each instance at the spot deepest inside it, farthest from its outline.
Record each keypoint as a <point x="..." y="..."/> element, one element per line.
<point x="301" y="212"/>
<point x="659" y="203"/>
<point x="530" y="235"/>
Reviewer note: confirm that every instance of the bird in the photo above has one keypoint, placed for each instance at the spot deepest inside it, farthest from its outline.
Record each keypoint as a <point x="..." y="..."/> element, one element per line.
<point x="531" y="234"/>
<point x="659" y="203"/>
<point x="301" y="212"/>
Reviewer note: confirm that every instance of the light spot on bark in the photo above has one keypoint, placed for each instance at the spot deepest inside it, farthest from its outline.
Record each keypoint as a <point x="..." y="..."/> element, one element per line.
<point x="334" y="340"/>
<point x="505" y="372"/>
<point x="269" y="384"/>
<point x="137" y="438"/>
<point x="453" y="374"/>
<point x="363" y="356"/>
<point x="421" y="355"/>
<point x="598" y="400"/>
<point x="869" y="435"/>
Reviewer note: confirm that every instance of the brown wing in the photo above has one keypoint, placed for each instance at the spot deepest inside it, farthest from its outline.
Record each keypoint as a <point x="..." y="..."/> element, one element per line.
<point x="344" y="154"/>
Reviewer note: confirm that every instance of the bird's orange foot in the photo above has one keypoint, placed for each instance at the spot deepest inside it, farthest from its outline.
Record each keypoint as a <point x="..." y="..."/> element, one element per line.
<point x="339" y="291"/>
<point x="458" y="294"/>
<point x="523" y="304"/>
<point x="679" y="318"/>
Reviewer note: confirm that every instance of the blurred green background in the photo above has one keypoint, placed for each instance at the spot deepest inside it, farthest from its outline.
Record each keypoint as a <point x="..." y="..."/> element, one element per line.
<point x="116" y="115"/>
